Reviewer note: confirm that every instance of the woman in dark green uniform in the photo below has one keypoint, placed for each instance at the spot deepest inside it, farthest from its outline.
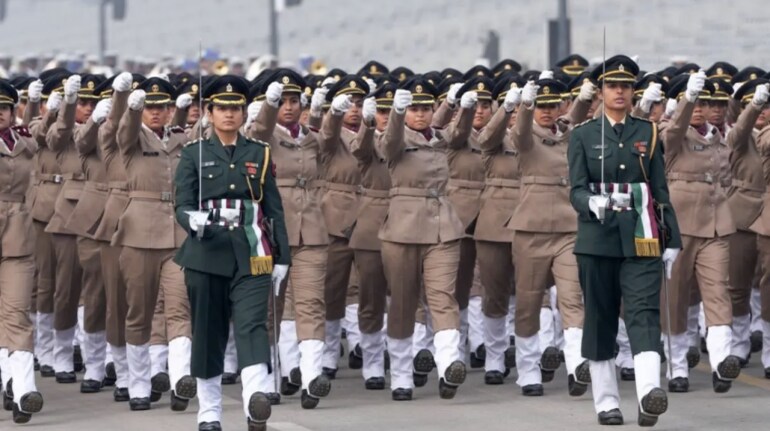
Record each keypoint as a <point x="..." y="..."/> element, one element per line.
<point x="618" y="187"/>
<point x="228" y="201"/>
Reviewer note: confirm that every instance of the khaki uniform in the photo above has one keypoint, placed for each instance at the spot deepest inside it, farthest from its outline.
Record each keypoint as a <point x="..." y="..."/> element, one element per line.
<point x="694" y="168"/>
<point x="298" y="176"/>
<point x="762" y="227"/>
<point x="498" y="203"/>
<point x="148" y="231"/>
<point x="69" y="274"/>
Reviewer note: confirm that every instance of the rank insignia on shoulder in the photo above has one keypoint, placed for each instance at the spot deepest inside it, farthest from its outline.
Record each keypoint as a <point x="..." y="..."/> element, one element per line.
<point x="192" y="142"/>
<point x="23" y="131"/>
<point x="641" y="146"/>
<point x="585" y="122"/>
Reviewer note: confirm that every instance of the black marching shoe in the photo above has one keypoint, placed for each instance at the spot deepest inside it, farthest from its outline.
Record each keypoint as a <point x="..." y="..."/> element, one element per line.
<point x="120" y="395"/>
<point x="139" y="404"/>
<point x="178" y="404"/>
<point x="535" y="390"/>
<point x="679" y="385"/>
<point x="292" y="384"/>
<point x="20" y="417"/>
<point x="454" y="376"/>
<point x="229" y="378"/>
<point x="745" y="361"/>
<point x="356" y="358"/>
<point x="578" y="384"/>
<point x="423" y="363"/>
<point x="65" y="377"/>
<point x="90" y="386"/>
<point x="308" y="402"/>
<point x="693" y="357"/>
<point x="186" y="387"/>
<point x="767" y="373"/>
<point x="110" y="376"/>
<point x="756" y="341"/>
<point x="8" y="396"/>
<point x="627" y="374"/>
<point x="611" y="417"/>
<point x="654" y="404"/>
<point x="727" y="370"/>
<point x="420" y="380"/>
<point x="375" y="383"/>
<point x="259" y="412"/>
<point x="479" y="357"/>
<point x="318" y="388"/>
<point x="400" y="394"/>
<point x="47" y="371"/>
<point x="77" y="358"/>
<point x="549" y="363"/>
<point x="703" y="348"/>
<point x="493" y="378"/>
<point x="546" y="375"/>
<point x="331" y="373"/>
<point x="510" y="357"/>
<point x="159" y="383"/>
<point x="274" y="398"/>
<point x="210" y="426"/>
<point x="31" y="402"/>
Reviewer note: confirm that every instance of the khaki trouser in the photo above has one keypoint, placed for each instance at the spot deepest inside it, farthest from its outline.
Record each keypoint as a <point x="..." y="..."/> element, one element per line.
<point x="158" y="334"/>
<point x="542" y="260"/>
<point x="465" y="272"/>
<point x="69" y="282"/>
<point x="93" y="295"/>
<point x="407" y="267"/>
<point x="763" y="244"/>
<point x="45" y="263"/>
<point x="497" y="276"/>
<point x="372" y="291"/>
<point x="147" y="272"/>
<point x="115" y="295"/>
<point x="17" y="275"/>
<point x="707" y="260"/>
<point x="338" y="265"/>
<point x="353" y="284"/>
<point x="743" y="261"/>
<point x="303" y="292"/>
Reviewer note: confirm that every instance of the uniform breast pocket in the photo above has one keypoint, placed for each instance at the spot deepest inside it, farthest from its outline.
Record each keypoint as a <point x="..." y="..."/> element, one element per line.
<point x="596" y="152"/>
<point x="211" y="172"/>
<point x="642" y="157"/>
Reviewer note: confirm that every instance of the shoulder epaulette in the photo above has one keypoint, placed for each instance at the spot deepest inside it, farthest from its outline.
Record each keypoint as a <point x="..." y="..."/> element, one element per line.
<point x="257" y="141"/>
<point x="584" y="122"/>
<point x="22" y="130"/>
<point x="176" y="129"/>
<point x="192" y="142"/>
<point x="640" y="118"/>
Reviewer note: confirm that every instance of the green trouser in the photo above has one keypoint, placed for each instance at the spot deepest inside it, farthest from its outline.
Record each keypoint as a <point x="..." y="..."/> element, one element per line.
<point x="607" y="280"/>
<point x="214" y="301"/>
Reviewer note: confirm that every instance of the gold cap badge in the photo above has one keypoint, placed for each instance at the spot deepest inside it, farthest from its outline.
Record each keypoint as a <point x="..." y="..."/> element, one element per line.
<point x="621" y="68"/>
<point x="229" y="88"/>
<point x="418" y="89"/>
<point x="155" y="88"/>
<point x="285" y="80"/>
<point x="546" y="90"/>
<point x="90" y="85"/>
<point x="480" y="86"/>
<point x="352" y="84"/>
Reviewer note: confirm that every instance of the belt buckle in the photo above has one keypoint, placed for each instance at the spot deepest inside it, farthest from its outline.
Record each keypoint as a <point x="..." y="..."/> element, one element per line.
<point x="563" y="181"/>
<point x="58" y="179"/>
<point x="301" y="182"/>
<point x="360" y="189"/>
<point x="165" y="196"/>
<point x="433" y="193"/>
<point x="709" y="178"/>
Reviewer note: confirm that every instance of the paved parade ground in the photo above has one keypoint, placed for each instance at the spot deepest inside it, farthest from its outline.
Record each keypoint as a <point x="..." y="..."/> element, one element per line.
<point x="476" y="407"/>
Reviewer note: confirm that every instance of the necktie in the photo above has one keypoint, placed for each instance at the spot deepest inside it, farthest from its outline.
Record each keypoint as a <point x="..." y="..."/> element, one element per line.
<point x="703" y="129"/>
<point x="427" y="134"/>
<point x="618" y="127"/>
<point x="7" y="137"/>
<point x="554" y="130"/>
<point x="294" y="130"/>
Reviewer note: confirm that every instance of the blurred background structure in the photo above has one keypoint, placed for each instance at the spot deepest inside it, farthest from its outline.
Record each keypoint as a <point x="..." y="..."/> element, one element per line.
<point x="142" y="35"/>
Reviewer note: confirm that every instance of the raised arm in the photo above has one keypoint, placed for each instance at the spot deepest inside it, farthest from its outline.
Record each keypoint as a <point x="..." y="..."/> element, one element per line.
<point x="676" y="130"/>
<point x="330" y="134"/>
<point x="362" y="146"/>
<point x="491" y="136"/>
<point x="39" y="128"/>
<point x="738" y="136"/>
<point x="180" y="117"/>
<point x="578" y="112"/>
<point x="459" y="130"/>
<point x="522" y="131"/>
<point x="32" y="111"/>
<point x="128" y="131"/>
<point x="391" y="144"/>
<point x="87" y="137"/>
<point x="264" y="126"/>
<point x="443" y="115"/>
<point x="60" y="135"/>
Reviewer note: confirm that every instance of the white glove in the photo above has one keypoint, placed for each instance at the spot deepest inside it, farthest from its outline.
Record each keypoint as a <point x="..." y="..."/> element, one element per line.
<point x="469" y="99"/>
<point x="761" y="93"/>
<point x="205" y="120"/>
<point x="401" y="100"/>
<point x="101" y="111"/>
<point x="197" y="221"/>
<point x="273" y="94"/>
<point x="328" y="81"/>
<point x="546" y="74"/>
<point x="372" y="85"/>
<point x="587" y="91"/>
<point x="669" y="257"/>
<point x="35" y="91"/>
<point x="136" y="99"/>
<point x="598" y="204"/>
<point x="122" y="82"/>
<point x="318" y="100"/>
<point x="451" y="95"/>
<point x="183" y="101"/>
<point x="54" y="102"/>
<point x="737" y="86"/>
<point x="341" y="104"/>
<point x="251" y="113"/>
<point x="651" y="95"/>
<point x="695" y="85"/>
<point x="512" y="99"/>
<point x="369" y="110"/>
<point x="71" y="88"/>
<point x="529" y="93"/>
<point x="670" y="107"/>
<point x="279" y="273"/>
<point x="303" y="100"/>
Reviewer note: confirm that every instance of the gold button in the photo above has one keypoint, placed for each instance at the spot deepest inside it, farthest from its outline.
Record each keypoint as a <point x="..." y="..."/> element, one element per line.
<point x="232" y="166"/>
<point x="232" y="186"/>
<point x="622" y="166"/>
<point x="211" y="176"/>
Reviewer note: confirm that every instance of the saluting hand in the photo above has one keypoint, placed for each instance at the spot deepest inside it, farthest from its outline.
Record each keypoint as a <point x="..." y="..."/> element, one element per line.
<point x="651" y="95"/>
<point x="71" y="88"/>
<point x="587" y="91"/>
<point x="252" y="111"/>
<point x="469" y="99"/>
<point x="546" y="74"/>
<point x="369" y="110"/>
<point x="183" y="101"/>
<point x="372" y="85"/>
<point x="341" y="104"/>
<point x="512" y="99"/>
<point x="54" y="102"/>
<point x="273" y="94"/>
<point x="529" y="93"/>
<point x="35" y="91"/>
<point x="101" y="111"/>
<point x="122" y="82"/>
<point x="318" y="99"/>
<point x="761" y="93"/>
<point x="401" y="100"/>
<point x="670" y="107"/>
<point x="695" y="85"/>
<point x="136" y="99"/>
<point x="451" y="95"/>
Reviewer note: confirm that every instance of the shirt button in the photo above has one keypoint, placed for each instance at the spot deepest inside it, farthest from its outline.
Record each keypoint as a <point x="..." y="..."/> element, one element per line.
<point x="620" y="145"/>
<point x="211" y="176"/>
<point x="232" y="186"/>
<point x="622" y="166"/>
<point x="232" y="228"/>
<point x="232" y="166"/>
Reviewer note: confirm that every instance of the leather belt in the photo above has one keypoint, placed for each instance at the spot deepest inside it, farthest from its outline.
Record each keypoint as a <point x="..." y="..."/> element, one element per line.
<point x="75" y="176"/>
<point x="299" y="182"/>
<point x="707" y="178"/>
<point x="466" y="184"/>
<point x="119" y="185"/>
<point x="382" y="194"/>
<point x="51" y="178"/>
<point x="546" y="181"/>
<point x="503" y="182"/>
<point x="158" y="196"/>
<point x="340" y="187"/>
<point x="747" y="186"/>
<point x="11" y="197"/>
<point x="102" y="187"/>
<point x="412" y="191"/>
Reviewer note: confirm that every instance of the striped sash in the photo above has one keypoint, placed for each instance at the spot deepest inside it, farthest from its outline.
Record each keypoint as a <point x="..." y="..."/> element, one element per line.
<point x="646" y="233"/>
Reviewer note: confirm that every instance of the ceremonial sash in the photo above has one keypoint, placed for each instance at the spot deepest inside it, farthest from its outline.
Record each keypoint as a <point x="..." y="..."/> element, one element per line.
<point x="646" y="232"/>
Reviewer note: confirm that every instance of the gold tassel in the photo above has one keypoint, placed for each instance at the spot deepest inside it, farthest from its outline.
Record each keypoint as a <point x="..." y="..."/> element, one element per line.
<point x="261" y="265"/>
<point x="647" y="247"/>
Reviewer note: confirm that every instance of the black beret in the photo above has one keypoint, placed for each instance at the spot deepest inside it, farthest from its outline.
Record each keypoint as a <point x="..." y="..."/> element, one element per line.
<point x="88" y="84"/>
<point x="506" y="65"/>
<point x="55" y="83"/>
<point x="384" y="95"/>
<point x="722" y="89"/>
<point x="746" y="92"/>
<point x="572" y="65"/>
<point x="503" y="86"/>
<point x="158" y="91"/>
<point x="645" y="82"/>
<point x="678" y="86"/>
<point x="443" y="86"/>
<point x="348" y="84"/>
<point x="401" y="74"/>
<point x="747" y="74"/>
<point x="549" y="92"/>
<point x="227" y="90"/>
<point x="478" y="71"/>
<point x="450" y="72"/>
<point x="482" y="85"/>
<point x="373" y="69"/>
<point x="291" y="80"/>
<point x="722" y="70"/>
<point x="688" y="68"/>
<point x="619" y="68"/>
<point x="423" y="92"/>
<point x="8" y="94"/>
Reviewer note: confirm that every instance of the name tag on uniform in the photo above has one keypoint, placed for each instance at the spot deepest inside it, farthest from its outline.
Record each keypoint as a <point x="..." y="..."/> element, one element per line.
<point x="287" y="144"/>
<point x="207" y="164"/>
<point x="549" y="142"/>
<point x="510" y="152"/>
<point x="598" y="147"/>
<point x="475" y="150"/>
<point x="698" y="147"/>
<point x="410" y="149"/>
<point x="150" y="153"/>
